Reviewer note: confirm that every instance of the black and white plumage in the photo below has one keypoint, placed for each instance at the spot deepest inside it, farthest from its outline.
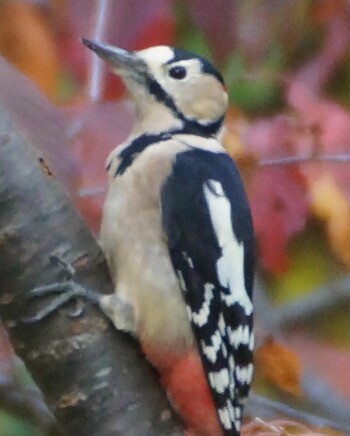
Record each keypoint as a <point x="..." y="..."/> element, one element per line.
<point x="177" y="230"/>
<point x="207" y="220"/>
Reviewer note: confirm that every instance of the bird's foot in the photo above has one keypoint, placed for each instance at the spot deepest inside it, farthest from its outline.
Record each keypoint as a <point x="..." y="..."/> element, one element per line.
<point x="63" y="292"/>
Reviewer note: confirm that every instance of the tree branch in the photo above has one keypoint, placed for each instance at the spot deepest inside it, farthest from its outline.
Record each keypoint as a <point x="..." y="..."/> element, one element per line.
<point x="95" y="380"/>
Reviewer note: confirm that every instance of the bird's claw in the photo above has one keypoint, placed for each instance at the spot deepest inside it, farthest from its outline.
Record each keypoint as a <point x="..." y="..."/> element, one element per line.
<point x="64" y="292"/>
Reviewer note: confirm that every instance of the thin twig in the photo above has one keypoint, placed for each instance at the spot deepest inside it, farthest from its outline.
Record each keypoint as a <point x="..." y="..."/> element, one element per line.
<point x="318" y="393"/>
<point x="96" y="68"/>
<point x="320" y="299"/>
<point x="266" y="314"/>
<point x="325" y="399"/>
<point x="274" y="318"/>
<point x="296" y="160"/>
<point x="91" y="192"/>
<point x="268" y="409"/>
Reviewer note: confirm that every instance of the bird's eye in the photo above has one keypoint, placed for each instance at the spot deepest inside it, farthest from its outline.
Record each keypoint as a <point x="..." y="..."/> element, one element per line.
<point x="178" y="72"/>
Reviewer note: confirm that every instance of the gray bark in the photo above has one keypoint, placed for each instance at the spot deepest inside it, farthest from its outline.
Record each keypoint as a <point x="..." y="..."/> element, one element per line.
<point x="95" y="379"/>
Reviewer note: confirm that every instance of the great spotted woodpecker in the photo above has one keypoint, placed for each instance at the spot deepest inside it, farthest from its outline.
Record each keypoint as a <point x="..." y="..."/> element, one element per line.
<point x="178" y="237"/>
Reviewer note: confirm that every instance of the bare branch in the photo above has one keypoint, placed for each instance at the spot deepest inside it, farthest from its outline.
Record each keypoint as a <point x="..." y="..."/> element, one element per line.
<point x="97" y="66"/>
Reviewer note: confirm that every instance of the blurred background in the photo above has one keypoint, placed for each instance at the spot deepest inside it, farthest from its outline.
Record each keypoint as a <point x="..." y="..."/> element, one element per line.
<point x="286" y="64"/>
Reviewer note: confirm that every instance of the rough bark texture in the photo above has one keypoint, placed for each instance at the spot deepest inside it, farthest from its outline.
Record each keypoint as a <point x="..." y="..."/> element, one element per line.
<point x="94" y="378"/>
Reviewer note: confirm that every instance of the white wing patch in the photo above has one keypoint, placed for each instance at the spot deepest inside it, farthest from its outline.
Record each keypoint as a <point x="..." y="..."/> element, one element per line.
<point x="230" y="265"/>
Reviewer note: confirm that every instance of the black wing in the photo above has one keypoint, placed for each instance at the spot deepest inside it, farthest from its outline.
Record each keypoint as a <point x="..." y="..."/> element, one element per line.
<point x="220" y="310"/>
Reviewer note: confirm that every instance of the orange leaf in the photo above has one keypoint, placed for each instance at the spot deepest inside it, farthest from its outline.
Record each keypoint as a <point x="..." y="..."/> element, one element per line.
<point x="329" y="204"/>
<point x="27" y="42"/>
<point x="280" y="366"/>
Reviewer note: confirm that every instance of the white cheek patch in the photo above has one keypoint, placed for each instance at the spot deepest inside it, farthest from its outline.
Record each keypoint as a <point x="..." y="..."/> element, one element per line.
<point x="230" y="266"/>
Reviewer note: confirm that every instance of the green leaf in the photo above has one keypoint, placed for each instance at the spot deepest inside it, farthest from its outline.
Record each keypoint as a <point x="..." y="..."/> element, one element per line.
<point x="10" y="426"/>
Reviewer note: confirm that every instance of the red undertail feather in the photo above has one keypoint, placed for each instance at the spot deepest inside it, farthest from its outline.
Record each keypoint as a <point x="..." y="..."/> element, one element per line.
<point x="184" y="379"/>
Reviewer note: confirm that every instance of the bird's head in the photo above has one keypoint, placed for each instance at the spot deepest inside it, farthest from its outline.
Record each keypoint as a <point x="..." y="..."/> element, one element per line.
<point x="172" y="88"/>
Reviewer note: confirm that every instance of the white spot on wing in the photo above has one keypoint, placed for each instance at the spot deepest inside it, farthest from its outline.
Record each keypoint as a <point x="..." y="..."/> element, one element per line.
<point x="238" y="417"/>
<point x="200" y="318"/>
<point x="211" y="351"/>
<point x="224" y="417"/>
<point x="222" y="325"/>
<point x="241" y="335"/>
<point x="181" y="281"/>
<point x="231" y="368"/>
<point x="251" y="342"/>
<point x="230" y="416"/>
<point x="219" y="380"/>
<point x="244" y="374"/>
<point x="230" y="266"/>
<point x="187" y="259"/>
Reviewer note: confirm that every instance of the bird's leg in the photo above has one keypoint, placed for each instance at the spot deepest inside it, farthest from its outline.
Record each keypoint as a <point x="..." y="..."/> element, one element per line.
<point x="118" y="310"/>
<point x="64" y="292"/>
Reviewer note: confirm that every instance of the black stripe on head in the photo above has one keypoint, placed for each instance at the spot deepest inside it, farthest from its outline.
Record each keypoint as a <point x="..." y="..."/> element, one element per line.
<point x="190" y="126"/>
<point x="162" y="96"/>
<point x="207" y="67"/>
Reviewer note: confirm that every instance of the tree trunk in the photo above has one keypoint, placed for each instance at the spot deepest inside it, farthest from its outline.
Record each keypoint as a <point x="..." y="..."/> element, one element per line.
<point x="94" y="379"/>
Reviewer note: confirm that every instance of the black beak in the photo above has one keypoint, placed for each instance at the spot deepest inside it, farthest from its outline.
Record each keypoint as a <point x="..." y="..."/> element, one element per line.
<point x="118" y="58"/>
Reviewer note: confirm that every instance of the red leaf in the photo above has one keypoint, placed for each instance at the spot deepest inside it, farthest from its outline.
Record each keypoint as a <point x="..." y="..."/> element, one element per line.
<point x="327" y="361"/>
<point x="219" y="27"/>
<point x="40" y="121"/>
<point x="100" y="129"/>
<point x="159" y="31"/>
<point x="280" y="208"/>
<point x="277" y="194"/>
<point x="130" y="24"/>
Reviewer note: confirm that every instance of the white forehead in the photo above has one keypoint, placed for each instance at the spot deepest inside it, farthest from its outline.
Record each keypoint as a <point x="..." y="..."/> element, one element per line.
<point x="157" y="55"/>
